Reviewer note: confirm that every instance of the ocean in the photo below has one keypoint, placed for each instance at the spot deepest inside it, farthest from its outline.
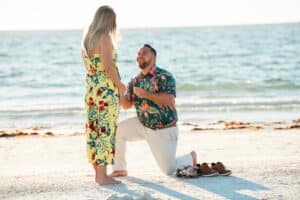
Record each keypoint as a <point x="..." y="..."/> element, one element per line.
<point x="222" y="73"/>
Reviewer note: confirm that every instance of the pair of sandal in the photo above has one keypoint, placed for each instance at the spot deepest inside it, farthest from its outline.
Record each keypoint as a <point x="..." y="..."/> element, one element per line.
<point x="203" y="170"/>
<point x="216" y="169"/>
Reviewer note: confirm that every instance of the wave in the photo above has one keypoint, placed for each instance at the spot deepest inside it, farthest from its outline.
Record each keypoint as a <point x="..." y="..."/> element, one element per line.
<point x="41" y="108"/>
<point x="192" y="104"/>
<point x="247" y="85"/>
<point x="194" y="100"/>
<point x="241" y="103"/>
<point x="290" y="107"/>
<point x="4" y="55"/>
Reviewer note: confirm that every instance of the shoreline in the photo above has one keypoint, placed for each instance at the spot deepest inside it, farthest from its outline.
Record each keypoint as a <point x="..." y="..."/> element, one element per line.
<point x="220" y="125"/>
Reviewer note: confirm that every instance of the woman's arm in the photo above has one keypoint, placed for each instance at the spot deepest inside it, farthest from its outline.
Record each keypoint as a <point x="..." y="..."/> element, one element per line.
<point x="106" y="53"/>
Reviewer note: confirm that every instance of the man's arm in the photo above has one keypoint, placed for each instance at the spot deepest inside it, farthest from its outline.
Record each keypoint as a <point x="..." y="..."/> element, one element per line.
<point x="158" y="98"/>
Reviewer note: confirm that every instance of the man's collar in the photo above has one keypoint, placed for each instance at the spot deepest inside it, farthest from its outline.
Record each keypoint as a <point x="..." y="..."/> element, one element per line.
<point x="150" y="72"/>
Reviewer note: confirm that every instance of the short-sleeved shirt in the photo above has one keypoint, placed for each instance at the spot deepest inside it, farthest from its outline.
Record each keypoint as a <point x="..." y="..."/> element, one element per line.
<point x="150" y="114"/>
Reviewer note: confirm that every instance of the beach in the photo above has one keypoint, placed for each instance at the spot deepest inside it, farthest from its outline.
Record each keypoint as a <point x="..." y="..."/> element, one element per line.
<point x="265" y="165"/>
<point x="237" y="97"/>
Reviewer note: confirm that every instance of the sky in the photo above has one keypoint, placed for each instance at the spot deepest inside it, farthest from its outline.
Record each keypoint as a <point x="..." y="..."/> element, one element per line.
<point x="76" y="14"/>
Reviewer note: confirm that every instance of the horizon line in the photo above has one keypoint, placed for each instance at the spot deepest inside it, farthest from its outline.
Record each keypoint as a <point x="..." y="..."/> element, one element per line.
<point x="157" y="27"/>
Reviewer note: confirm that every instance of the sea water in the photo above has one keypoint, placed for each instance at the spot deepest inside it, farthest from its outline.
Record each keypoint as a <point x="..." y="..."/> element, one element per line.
<point x="232" y="72"/>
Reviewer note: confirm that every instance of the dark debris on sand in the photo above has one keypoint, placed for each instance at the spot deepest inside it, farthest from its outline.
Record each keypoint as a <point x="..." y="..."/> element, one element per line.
<point x="17" y="133"/>
<point x="238" y="125"/>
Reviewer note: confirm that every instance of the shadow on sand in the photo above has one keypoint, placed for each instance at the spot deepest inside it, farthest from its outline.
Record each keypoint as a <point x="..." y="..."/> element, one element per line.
<point x="226" y="187"/>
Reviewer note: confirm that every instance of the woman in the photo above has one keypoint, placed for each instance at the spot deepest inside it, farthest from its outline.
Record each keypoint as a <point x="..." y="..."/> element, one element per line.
<point x="102" y="92"/>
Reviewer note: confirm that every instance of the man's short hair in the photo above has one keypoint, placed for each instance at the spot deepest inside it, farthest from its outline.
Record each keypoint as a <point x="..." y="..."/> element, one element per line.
<point x="151" y="48"/>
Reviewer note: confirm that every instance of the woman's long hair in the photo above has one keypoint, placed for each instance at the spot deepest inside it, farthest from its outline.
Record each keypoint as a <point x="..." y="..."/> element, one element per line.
<point x="104" y="22"/>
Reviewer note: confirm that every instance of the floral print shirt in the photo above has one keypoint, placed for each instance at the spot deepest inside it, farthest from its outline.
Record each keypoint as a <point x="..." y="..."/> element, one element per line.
<point x="150" y="114"/>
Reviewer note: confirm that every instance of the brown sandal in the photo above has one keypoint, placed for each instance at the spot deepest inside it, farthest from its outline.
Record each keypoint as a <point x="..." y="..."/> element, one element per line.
<point x="205" y="170"/>
<point x="220" y="168"/>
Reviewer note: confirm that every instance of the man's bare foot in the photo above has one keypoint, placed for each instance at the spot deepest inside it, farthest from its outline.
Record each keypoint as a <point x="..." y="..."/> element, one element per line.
<point x="194" y="156"/>
<point x="118" y="173"/>
<point x="107" y="180"/>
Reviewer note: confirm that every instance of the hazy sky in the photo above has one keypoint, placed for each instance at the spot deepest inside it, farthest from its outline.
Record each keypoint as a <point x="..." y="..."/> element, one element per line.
<point x="75" y="14"/>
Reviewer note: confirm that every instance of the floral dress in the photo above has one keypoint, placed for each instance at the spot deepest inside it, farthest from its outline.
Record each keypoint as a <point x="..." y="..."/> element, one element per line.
<point x="102" y="111"/>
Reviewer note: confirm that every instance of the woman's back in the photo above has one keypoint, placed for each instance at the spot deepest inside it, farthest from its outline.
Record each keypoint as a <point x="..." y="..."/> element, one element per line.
<point x="94" y="62"/>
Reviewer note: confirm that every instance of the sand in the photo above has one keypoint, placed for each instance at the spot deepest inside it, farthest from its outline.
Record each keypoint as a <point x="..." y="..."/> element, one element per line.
<point x="265" y="165"/>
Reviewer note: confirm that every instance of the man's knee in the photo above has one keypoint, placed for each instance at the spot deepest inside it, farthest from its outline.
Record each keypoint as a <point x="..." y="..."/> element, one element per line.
<point x="126" y="123"/>
<point x="125" y="128"/>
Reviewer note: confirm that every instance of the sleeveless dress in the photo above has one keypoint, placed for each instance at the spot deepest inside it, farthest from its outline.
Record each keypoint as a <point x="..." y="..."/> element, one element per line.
<point x="102" y="111"/>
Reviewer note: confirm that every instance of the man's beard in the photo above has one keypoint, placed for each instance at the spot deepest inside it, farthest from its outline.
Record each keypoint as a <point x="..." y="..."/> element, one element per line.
<point x="144" y="65"/>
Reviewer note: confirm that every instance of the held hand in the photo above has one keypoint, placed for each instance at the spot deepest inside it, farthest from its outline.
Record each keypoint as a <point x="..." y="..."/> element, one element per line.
<point x="141" y="93"/>
<point x="122" y="89"/>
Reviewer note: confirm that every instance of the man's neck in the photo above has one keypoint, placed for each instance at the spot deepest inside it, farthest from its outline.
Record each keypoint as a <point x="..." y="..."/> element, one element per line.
<point x="147" y="69"/>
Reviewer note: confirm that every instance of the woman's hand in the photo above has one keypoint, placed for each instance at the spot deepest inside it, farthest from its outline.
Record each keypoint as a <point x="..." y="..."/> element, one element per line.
<point x="122" y="88"/>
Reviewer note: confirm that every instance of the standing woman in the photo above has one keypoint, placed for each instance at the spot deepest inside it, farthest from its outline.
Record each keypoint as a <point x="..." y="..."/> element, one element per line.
<point x="103" y="86"/>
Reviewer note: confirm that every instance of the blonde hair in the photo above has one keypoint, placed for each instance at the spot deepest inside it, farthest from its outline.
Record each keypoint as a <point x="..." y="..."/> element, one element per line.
<point x="104" y="22"/>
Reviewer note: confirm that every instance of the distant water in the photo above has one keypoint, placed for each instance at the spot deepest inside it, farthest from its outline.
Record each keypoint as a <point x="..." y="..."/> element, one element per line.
<point x="241" y="72"/>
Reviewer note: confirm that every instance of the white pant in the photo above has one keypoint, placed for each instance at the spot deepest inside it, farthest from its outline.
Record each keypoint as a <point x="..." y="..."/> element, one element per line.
<point x="162" y="142"/>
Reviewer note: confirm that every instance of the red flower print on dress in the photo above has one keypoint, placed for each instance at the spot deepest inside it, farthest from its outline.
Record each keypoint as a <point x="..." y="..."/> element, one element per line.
<point x="99" y="92"/>
<point x="103" y="129"/>
<point x="92" y="127"/>
<point x="91" y="101"/>
<point x="92" y="69"/>
<point x="113" y="151"/>
<point x="102" y="105"/>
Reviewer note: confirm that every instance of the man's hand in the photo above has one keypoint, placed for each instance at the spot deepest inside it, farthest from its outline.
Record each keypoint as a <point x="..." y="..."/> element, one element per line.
<point x="141" y="93"/>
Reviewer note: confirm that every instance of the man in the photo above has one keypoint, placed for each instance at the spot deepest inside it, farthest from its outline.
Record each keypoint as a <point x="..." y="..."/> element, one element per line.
<point x="152" y="92"/>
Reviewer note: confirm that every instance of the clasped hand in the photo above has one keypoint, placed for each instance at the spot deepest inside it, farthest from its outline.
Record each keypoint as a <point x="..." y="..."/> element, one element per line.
<point x="141" y="93"/>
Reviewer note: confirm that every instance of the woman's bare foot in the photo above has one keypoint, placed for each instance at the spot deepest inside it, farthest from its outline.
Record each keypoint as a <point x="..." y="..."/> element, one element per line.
<point x="107" y="180"/>
<point x="194" y="156"/>
<point x="118" y="173"/>
<point x="95" y="169"/>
